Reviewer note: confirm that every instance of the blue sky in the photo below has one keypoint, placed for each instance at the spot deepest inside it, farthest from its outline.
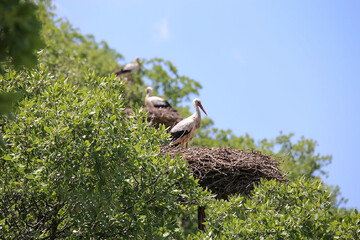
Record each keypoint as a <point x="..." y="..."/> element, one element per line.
<point x="265" y="66"/>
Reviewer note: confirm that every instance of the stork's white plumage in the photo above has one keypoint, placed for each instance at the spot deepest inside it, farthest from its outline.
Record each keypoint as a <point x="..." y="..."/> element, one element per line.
<point x="156" y="102"/>
<point x="129" y="68"/>
<point x="185" y="130"/>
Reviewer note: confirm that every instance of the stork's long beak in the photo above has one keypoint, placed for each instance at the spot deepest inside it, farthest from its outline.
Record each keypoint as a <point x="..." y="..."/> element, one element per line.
<point x="202" y="109"/>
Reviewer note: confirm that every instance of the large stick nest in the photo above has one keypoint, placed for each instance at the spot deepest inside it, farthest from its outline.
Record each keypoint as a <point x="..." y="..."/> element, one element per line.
<point x="227" y="171"/>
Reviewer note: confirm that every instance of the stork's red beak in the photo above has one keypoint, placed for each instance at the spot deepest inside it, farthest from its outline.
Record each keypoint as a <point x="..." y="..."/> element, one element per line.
<point x="202" y="109"/>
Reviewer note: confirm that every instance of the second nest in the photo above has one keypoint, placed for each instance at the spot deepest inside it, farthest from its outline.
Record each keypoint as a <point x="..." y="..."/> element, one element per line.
<point x="165" y="116"/>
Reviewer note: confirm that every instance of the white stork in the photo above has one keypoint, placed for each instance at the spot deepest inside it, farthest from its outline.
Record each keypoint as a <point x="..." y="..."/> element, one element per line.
<point x="156" y="102"/>
<point x="129" y="68"/>
<point x="185" y="130"/>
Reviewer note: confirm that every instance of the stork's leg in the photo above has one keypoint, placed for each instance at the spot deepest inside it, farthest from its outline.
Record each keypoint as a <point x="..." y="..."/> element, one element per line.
<point x="128" y="80"/>
<point x="187" y="145"/>
<point x="182" y="144"/>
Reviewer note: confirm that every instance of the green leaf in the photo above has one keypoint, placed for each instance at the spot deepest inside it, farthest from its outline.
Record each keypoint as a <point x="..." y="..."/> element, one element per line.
<point x="137" y="147"/>
<point x="30" y="176"/>
<point x="113" y="118"/>
<point x="48" y="129"/>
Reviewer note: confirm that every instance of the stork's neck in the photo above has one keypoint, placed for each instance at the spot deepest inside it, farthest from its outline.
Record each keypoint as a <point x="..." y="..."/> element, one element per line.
<point x="148" y="94"/>
<point x="197" y="117"/>
<point x="197" y="113"/>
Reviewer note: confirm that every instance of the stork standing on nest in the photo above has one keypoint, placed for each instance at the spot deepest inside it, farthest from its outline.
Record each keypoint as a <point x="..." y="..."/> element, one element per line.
<point x="156" y="102"/>
<point x="185" y="130"/>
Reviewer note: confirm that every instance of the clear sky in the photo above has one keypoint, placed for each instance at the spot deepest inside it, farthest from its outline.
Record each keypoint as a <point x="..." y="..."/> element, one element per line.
<point x="265" y="66"/>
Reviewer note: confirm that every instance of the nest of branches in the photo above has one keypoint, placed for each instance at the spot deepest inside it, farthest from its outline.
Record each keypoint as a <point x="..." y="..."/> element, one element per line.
<point x="157" y="116"/>
<point x="166" y="116"/>
<point x="227" y="171"/>
<point x="128" y="111"/>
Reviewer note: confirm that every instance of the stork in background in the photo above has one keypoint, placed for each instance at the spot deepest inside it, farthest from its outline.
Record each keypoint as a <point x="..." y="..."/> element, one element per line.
<point x="185" y="130"/>
<point x="156" y="102"/>
<point x="128" y="69"/>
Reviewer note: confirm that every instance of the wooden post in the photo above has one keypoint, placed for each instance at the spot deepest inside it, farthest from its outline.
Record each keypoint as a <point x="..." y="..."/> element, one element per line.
<point x="201" y="218"/>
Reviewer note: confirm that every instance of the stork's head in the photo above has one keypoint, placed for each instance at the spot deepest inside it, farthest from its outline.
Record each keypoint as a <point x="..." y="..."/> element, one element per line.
<point x="149" y="90"/>
<point x="138" y="60"/>
<point x="197" y="103"/>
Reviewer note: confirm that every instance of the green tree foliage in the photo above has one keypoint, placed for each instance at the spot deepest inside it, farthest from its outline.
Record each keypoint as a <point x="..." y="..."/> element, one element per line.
<point x="299" y="210"/>
<point x="7" y="101"/>
<point x="19" y="33"/>
<point x="75" y="166"/>
<point x="19" y="40"/>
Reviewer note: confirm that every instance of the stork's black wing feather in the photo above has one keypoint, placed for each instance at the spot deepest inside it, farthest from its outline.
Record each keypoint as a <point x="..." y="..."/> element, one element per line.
<point x="122" y="71"/>
<point x="163" y="104"/>
<point x="179" y="134"/>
